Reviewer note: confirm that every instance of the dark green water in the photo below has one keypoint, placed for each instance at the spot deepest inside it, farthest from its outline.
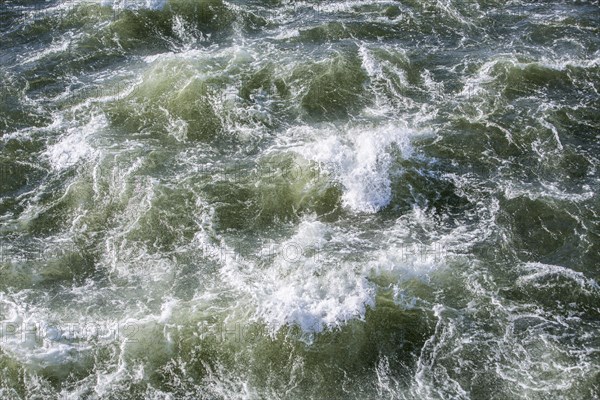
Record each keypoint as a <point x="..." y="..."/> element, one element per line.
<point x="299" y="200"/>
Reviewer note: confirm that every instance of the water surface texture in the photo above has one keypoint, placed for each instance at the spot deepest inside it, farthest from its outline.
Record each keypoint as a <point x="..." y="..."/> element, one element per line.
<point x="272" y="199"/>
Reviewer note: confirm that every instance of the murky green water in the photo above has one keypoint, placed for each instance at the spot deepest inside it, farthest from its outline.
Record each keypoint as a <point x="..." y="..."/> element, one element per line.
<point x="299" y="200"/>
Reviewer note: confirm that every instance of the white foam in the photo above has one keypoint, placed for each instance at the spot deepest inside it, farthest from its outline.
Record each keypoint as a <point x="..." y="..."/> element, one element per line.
<point x="547" y="191"/>
<point x="28" y="336"/>
<point x="73" y="146"/>
<point x="361" y="162"/>
<point x="306" y="284"/>
<point x="538" y="271"/>
<point x="300" y="289"/>
<point x="135" y="4"/>
<point x="60" y="46"/>
<point x="297" y="287"/>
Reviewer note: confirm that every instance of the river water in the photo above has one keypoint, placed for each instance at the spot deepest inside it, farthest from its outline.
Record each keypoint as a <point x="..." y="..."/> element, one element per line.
<point x="271" y="199"/>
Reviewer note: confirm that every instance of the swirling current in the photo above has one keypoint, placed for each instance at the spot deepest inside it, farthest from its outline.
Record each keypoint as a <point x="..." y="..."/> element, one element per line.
<point x="285" y="199"/>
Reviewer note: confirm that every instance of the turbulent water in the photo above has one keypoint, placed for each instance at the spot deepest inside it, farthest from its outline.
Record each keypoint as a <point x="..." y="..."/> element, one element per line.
<point x="271" y="199"/>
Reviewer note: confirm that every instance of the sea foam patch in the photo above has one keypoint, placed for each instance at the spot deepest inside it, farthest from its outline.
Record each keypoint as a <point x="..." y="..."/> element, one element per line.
<point x="73" y="146"/>
<point x="306" y="290"/>
<point x="361" y="160"/>
<point x="134" y="4"/>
